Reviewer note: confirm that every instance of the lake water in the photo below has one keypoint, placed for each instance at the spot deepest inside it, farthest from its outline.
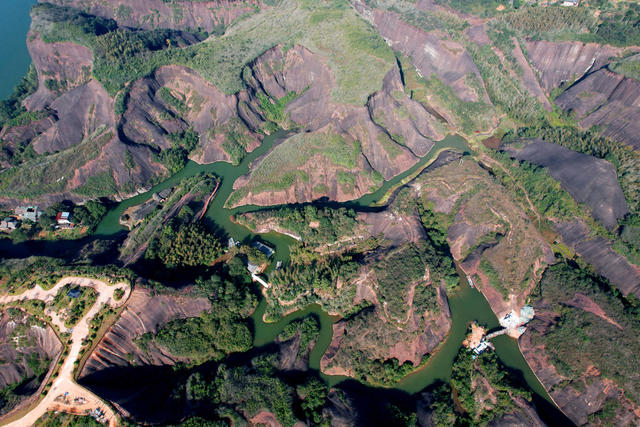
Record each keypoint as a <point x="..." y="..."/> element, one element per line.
<point x="14" y="25"/>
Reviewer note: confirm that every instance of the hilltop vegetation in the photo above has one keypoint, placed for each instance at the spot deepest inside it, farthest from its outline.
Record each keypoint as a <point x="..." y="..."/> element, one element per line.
<point x="315" y="226"/>
<point x="123" y="56"/>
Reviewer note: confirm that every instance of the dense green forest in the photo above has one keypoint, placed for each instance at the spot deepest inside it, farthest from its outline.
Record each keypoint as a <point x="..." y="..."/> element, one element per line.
<point x="174" y="245"/>
<point x="221" y="330"/>
<point x="315" y="226"/>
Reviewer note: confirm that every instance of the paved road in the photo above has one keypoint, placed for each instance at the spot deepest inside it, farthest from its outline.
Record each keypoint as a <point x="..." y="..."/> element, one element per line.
<point x="77" y="399"/>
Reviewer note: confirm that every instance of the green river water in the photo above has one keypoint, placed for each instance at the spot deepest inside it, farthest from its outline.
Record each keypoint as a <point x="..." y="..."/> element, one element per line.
<point x="466" y="305"/>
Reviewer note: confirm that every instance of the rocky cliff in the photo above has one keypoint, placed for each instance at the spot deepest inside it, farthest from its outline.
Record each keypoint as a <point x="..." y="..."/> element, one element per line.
<point x="563" y="63"/>
<point x="599" y="253"/>
<point x="432" y="53"/>
<point x="607" y="100"/>
<point x="588" y="179"/>
<point x="116" y="154"/>
<point x="67" y="63"/>
<point x="145" y="312"/>
<point x="174" y="99"/>
<point x="579" y="337"/>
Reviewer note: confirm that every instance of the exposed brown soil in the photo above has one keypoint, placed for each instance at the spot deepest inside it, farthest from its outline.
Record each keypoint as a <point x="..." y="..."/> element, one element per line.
<point x="492" y="142"/>
<point x="587" y="304"/>
<point x="487" y="226"/>
<point x="264" y="418"/>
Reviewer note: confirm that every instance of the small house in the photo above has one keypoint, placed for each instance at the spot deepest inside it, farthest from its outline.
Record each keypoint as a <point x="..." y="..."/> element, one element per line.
<point x="480" y="348"/>
<point x="8" y="223"/>
<point x="570" y="3"/>
<point x="31" y="213"/>
<point x="161" y="196"/>
<point x="263" y="248"/>
<point x="526" y="314"/>
<point x="74" y="293"/>
<point x="63" y="218"/>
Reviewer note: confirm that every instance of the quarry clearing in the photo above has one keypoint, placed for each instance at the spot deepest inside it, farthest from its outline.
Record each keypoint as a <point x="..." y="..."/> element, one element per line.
<point x="65" y="394"/>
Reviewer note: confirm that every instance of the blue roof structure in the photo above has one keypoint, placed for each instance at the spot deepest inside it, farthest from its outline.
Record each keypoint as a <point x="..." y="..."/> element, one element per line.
<point x="74" y="293"/>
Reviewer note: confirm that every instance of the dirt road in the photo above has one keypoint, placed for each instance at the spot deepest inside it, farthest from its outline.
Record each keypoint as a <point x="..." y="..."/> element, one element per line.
<point x="65" y="394"/>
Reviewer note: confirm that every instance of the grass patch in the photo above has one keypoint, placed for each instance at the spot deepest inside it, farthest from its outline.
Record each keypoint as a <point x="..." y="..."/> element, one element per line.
<point x="280" y="169"/>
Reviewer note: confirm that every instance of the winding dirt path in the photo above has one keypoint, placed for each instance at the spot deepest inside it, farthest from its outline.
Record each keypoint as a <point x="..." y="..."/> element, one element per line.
<point x="493" y="162"/>
<point x="65" y="394"/>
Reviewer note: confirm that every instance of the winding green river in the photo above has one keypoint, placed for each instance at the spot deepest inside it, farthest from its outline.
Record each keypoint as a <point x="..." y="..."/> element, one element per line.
<point x="466" y="305"/>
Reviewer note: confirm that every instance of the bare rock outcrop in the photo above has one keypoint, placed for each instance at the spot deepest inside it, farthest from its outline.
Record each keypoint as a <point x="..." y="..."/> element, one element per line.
<point x="393" y="226"/>
<point x="528" y="77"/>
<point x="490" y="235"/>
<point x="67" y="63"/>
<point x="608" y="100"/>
<point x="24" y="343"/>
<point x="210" y="15"/>
<point x="79" y="126"/>
<point x="585" y="390"/>
<point x="385" y="136"/>
<point x="80" y="112"/>
<point x="431" y="53"/>
<point x="175" y="99"/>
<point x="599" y="253"/>
<point x="15" y="137"/>
<point x="565" y="62"/>
<point x="588" y="179"/>
<point x="406" y="120"/>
